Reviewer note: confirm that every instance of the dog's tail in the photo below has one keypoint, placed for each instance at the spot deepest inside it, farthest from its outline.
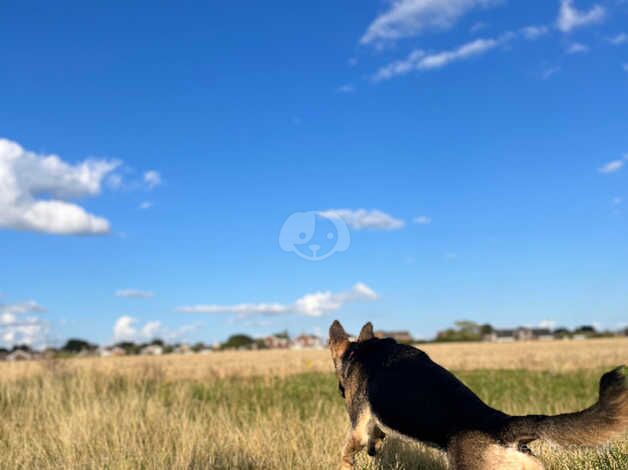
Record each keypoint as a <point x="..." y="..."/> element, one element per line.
<point x="606" y="419"/>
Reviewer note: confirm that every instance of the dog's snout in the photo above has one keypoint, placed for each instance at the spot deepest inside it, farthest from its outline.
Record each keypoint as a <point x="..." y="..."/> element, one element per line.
<point x="314" y="247"/>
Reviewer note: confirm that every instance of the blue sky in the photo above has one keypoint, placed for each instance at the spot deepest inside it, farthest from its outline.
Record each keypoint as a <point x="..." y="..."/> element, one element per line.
<point x="476" y="151"/>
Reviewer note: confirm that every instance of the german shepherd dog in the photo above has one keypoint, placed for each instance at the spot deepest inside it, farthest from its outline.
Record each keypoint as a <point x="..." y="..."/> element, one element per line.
<point x="391" y="388"/>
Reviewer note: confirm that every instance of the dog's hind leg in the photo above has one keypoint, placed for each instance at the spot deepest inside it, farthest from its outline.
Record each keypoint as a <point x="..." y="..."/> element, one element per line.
<point x="375" y="440"/>
<point x="474" y="450"/>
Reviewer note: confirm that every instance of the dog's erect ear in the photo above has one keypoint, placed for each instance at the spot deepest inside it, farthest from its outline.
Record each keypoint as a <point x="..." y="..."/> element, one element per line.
<point x="337" y="333"/>
<point x="366" y="332"/>
<point x="338" y="341"/>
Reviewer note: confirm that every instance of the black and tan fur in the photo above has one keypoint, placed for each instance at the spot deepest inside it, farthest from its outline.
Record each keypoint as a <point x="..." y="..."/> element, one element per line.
<point x="390" y="388"/>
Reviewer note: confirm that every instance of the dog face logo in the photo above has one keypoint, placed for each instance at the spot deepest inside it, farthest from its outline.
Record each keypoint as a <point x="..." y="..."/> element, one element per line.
<point x="314" y="237"/>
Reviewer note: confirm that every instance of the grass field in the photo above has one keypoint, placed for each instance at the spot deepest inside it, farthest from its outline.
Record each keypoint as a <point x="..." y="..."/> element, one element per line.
<point x="271" y="410"/>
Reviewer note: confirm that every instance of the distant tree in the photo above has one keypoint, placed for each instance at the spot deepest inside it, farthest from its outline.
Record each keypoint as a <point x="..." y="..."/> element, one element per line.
<point x="75" y="345"/>
<point x="464" y="331"/>
<point x="198" y="346"/>
<point x="238" y="341"/>
<point x="585" y="330"/>
<point x="486" y="329"/>
<point x="157" y="342"/>
<point x="129" y="347"/>
<point x="562" y="332"/>
<point x="21" y="347"/>
<point x="282" y="334"/>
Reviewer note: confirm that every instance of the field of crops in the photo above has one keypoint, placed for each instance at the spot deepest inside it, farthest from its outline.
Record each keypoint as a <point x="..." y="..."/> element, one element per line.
<point x="266" y="410"/>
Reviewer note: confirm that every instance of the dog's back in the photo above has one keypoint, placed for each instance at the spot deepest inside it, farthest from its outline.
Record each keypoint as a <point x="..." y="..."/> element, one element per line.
<point x="413" y="395"/>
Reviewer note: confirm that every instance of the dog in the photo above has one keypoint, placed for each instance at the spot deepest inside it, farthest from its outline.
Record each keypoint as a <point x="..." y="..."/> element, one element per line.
<point x="395" y="389"/>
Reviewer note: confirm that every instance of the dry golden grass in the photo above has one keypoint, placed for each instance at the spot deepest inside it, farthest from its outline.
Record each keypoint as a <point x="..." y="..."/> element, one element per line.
<point x="263" y="410"/>
<point x="539" y="355"/>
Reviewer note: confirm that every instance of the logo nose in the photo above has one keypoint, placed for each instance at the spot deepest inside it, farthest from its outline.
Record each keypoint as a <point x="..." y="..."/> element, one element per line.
<point x="314" y="248"/>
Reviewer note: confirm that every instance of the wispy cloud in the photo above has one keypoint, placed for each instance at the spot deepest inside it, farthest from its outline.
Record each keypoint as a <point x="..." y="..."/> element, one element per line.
<point x="477" y="26"/>
<point x="315" y="304"/>
<point x="577" y="48"/>
<point x="422" y="220"/>
<point x="420" y="60"/>
<point x="30" y="306"/>
<point x="549" y="72"/>
<point x="362" y="219"/>
<point x="570" y="18"/>
<point x="613" y="166"/>
<point x="26" y="177"/>
<point x="127" y="328"/>
<point x="533" y="32"/>
<point x="134" y="293"/>
<point x="619" y="39"/>
<point x="346" y="88"/>
<point x="145" y="205"/>
<point x="406" y="18"/>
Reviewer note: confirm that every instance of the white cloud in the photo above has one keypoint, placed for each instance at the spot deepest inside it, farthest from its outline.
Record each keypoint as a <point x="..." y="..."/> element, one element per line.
<point x="621" y="38"/>
<point x="124" y="329"/>
<point x="612" y="166"/>
<point x="419" y="60"/>
<point x="577" y="48"/>
<point x="127" y="328"/>
<point x="145" y="205"/>
<point x="617" y="201"/>
<point x="422" y="220"/>
<point x="570" y="18"/>
<point x="549" y="324"/>
<point x="35" y="188"/>
<point x="347" y="88"/>
<point x="362" y="219"/>
<point x="134" y="293"/>
<point x="151" y="329"/>
<point x="314" y="304"/>
<point x="534" y="32"/>
<point x="405" y="18"/>
<point x="152" y="178"/>
<point x="17" y="328"/>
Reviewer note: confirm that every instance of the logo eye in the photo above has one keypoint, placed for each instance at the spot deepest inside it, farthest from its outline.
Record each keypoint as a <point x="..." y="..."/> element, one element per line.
<point x="302" y="236"/>
<point x="330" y="236"/>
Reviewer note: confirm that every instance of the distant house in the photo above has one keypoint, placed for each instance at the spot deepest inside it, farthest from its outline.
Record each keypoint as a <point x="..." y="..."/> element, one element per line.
<point x="183" y="349"/>
<point x="519" y="334"/>
<point x="399" y="336"/>
<point x="501" y="336"/>
<point x="152" y="350"/>
<point x="307" y="342"/>
<point x="112" y="351"/>
<point x="276" y="342"/>
<point x="19" y="355"/>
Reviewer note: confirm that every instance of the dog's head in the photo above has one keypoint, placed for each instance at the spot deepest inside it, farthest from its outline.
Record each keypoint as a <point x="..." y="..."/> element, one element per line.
<point x="341" y="348"/>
